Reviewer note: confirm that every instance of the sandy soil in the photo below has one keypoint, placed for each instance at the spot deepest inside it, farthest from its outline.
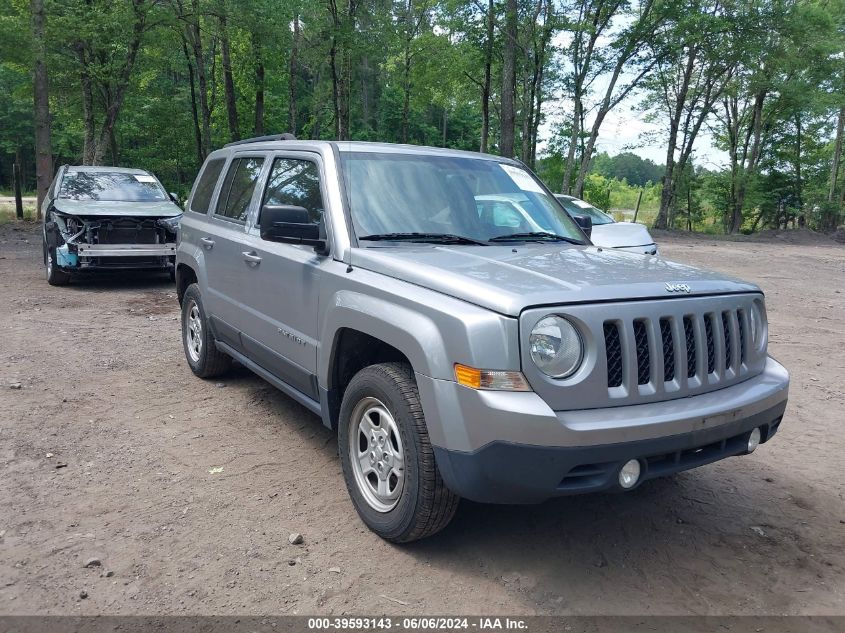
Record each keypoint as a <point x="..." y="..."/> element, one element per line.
<point x="136" y="440"/>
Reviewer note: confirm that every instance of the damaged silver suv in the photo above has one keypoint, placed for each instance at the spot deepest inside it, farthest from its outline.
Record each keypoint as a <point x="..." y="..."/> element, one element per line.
<point x="458" y="351"/>
<point x="107" y="218"/>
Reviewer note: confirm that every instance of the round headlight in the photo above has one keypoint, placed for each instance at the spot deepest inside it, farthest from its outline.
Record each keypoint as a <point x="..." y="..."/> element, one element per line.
<point x="556" y="347"/>
<point x="758" y="323"/>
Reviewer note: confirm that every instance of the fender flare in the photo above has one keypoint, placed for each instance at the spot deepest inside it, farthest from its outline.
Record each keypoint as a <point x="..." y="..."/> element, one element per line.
<point x="412" y="333"/>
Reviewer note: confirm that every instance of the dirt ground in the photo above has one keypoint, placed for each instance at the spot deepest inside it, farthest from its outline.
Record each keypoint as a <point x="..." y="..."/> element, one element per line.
<point x="187" y="491"/>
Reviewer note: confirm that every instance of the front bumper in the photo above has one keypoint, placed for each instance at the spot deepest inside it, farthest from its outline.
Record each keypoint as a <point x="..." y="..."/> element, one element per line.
<point x="511" y="448"/>
<point x="115" y="256"/>
<point x="516" y="473"/>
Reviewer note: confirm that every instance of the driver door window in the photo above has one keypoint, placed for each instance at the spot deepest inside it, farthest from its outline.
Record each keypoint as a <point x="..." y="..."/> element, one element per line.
<point x="295" y="182"/>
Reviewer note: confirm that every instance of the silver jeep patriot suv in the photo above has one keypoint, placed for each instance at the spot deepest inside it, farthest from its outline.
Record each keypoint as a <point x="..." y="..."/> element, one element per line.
<point x="457" y="350"/>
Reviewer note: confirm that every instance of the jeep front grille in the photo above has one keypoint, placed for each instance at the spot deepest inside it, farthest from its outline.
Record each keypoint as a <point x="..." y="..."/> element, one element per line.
<point x="702" y="343"/>
<point x="650" y="350"/>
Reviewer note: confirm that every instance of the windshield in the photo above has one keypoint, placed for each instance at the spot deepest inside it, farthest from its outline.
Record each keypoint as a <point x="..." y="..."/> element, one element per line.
<point x="111" y="186"/>
<point x="472" y="198"/>
<point x="579" y="207"/>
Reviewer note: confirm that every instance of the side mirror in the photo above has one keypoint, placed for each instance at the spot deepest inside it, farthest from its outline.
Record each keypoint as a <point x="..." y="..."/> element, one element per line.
<point x="174" y="197"/>
<point x="585" y="222"/>
<point x="290" y="224"/>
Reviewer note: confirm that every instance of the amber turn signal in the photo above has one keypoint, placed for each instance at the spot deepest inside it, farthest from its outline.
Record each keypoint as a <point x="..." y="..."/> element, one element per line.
<point x="489" y="379"/>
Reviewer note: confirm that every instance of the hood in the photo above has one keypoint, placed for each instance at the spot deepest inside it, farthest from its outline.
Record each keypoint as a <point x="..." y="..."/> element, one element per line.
<point x="497" y="278"/>
<point x="159" y="209"/>
<point x="620" y="234"/>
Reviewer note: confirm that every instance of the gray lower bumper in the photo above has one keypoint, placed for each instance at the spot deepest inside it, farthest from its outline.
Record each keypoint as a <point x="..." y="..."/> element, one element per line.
<point x="515" y="473"/>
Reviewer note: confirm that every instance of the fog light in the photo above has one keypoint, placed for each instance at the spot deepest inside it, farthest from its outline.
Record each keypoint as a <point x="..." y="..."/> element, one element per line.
<point x="630" y="474"/>
<point x="753" y="440"/>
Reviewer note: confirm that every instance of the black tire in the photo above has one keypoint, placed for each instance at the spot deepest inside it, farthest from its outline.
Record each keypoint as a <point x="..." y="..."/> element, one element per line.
<point x="55" y="275"/>
<point x="425" y="505"/>
<point x="206" y="361"/>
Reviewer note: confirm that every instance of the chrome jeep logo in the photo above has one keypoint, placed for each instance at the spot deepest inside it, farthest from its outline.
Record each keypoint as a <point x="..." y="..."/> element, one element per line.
<point x="678" y="288"/>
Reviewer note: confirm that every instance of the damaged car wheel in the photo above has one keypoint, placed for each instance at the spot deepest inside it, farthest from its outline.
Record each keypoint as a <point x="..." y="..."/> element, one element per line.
<point x="204" y="359"/>
<point x="55" y="275"/>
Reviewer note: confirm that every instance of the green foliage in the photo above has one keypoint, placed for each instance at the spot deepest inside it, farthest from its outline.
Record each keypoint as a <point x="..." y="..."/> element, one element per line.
<point x="415" y="71"/>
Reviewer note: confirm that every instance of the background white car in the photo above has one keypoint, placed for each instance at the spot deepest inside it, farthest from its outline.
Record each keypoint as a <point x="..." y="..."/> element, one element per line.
<point x="607" y="232"/>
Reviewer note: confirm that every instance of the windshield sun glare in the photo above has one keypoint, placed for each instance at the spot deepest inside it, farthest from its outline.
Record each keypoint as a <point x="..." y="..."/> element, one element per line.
<point x="478" y="199"/>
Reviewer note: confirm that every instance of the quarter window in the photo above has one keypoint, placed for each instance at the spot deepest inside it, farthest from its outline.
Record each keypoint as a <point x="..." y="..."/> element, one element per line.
<point x="297" y="183"/>
<point x="205" y="186"/>
<point x="238" y="188"/>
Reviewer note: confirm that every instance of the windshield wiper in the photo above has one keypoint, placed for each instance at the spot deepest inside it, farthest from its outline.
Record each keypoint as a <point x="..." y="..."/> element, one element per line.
<point x="436" y="238"/>
<point x="535" y="235"/>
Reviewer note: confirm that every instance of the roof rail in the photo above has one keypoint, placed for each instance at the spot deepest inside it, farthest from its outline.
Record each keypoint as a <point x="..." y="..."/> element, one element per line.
<point x="287" y="136"/>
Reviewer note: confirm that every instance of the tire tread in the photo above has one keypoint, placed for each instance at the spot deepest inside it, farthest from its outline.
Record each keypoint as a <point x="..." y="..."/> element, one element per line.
<point x="436" y="505"/>
<point x="213" y="362"/>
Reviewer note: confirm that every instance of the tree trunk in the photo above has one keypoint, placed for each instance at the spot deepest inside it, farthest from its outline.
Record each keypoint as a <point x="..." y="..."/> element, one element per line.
<point x="488" y="74"/>
<point x="799" y="185"/>
<point x="406" y="78"/>
<point x="340" y="57"/>
<point x="573" y="143"/>
<point x="202" y="79"/>
<point x="258" y="128"/>
<point x="837" y="155"/>
<point x="335" y="89"/>
<point x="667" y="195"/>
<point x="292" y="76"/>
<point x="41" y="91"/>
<point x="344" y="132"/>
<point x="194" y="113"/>
<point x="748" y="169"/>
<point x="228" y="80"/>
<point x="508" y="111"/>
<point x="88" y="125"/>
<point x="113" y="147"/>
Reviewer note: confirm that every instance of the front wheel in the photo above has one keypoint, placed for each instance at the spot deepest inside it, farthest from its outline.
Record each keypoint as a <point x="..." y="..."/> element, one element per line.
<point x="203" y="357"/>
<point x="55" y="275"/>
<point x="386" y="455"/>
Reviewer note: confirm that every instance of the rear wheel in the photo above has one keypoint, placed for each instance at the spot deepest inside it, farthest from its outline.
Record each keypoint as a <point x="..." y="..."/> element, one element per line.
<point x="55" y="275"/>
<point x="203" y="357"/>
<point x="387" y="458"/>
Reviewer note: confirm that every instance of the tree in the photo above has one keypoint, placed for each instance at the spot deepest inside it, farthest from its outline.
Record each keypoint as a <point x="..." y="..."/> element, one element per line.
<point x="41" y="91"/>
<point x="594" y="18"/>
<point x="508" y="108"/>
<point x="695" y="54"/>
<point x="629" y="54"/>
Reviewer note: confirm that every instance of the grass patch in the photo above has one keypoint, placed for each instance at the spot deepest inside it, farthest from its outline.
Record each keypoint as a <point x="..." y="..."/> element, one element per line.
<point x="7" y="213"/>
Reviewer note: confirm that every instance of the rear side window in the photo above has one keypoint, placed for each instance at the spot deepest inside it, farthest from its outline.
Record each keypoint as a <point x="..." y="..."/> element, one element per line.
<point x="238" y="188"/>
<point x="205" y="186"/>
<point x="295" y="182"/>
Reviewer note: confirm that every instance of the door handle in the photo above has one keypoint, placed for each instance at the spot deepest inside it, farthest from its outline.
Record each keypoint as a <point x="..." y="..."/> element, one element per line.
<point x="207" y="243"/>
<point x="251" y="258"/>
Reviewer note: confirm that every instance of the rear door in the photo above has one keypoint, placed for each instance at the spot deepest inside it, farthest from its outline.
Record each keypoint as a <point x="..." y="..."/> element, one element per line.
<point x="224" y="242"/>
<point x="281" y="281"/>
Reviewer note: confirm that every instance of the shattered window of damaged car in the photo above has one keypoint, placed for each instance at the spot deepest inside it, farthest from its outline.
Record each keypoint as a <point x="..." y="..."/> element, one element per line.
<point x="111" y="187"/>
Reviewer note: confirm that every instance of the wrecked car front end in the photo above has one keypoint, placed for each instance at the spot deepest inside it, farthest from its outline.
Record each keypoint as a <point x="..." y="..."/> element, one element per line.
<point x="85" y="243"/>
<point x="106" y="218"/>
